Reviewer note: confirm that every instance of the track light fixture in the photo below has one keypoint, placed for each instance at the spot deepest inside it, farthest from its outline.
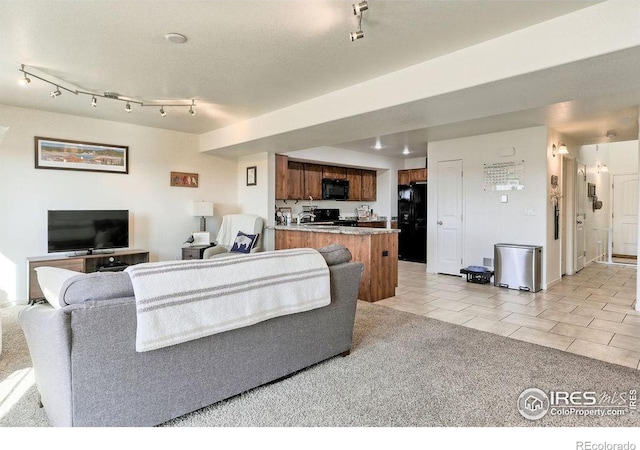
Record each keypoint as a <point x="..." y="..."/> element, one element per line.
<point x="24" y="80"/>
<point x="358" y="9"/>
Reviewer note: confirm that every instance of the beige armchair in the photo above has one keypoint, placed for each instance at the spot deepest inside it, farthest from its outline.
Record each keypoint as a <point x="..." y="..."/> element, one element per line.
<point x="232" y="224"/>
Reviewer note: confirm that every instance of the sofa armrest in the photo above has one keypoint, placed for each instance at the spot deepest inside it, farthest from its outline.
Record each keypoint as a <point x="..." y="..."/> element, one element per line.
<point x="213" y="251"/>
<point x="48" y="334"/>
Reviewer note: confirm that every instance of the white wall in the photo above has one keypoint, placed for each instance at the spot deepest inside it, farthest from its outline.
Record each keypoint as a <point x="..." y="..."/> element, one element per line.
<point x="258" y="199"/>
<point x="487" y="221"/>
<point x="161" y="217"/>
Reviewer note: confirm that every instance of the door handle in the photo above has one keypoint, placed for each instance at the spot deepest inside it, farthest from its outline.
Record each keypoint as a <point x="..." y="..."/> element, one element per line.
<point x="439" y="222"/>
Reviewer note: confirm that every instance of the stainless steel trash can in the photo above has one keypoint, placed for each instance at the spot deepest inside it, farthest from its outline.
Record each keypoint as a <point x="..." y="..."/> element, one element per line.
<point x="517" y="266"/>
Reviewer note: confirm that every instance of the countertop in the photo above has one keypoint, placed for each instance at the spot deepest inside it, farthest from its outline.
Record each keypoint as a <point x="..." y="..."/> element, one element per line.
<point x="362" y="231"/>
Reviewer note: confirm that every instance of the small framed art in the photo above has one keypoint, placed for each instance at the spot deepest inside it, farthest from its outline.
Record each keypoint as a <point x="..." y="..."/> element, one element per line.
<point x="183" y="179"/>
<point x="252" y="176"/>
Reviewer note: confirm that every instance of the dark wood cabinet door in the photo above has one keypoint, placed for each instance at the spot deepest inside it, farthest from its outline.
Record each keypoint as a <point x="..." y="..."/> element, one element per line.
<point x="295" y="188"/>
<point x="313" y="181"/>
<point x="282" y="176"/>
<point x="369" y="185"/>
<point x="354" y="176"/>
<point x="404" y="177"/>
<point x="337" y="173"/>
<point x="418" y="175"/>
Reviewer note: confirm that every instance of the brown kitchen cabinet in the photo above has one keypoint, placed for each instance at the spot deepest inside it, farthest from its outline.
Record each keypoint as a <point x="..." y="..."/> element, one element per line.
<point x="295" y="183"/>
<point x="408" y="176"/>
<point x="337" y="173"/>
<point x="282" y="177"/>
<point x="313" y="181"/>
<point x="369" y="186"/>
<point x="354" y="176"/>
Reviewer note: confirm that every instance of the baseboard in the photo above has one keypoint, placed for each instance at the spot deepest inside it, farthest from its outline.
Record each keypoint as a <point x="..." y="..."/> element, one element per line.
<point x="552" y="283"/>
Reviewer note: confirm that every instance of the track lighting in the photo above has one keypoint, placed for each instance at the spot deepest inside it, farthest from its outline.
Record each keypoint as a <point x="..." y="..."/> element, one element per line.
<point x="356" y="35"/>
<point x="406" y="150"/>
<point x="359" y="7"/>
<point x="24" y="80"/>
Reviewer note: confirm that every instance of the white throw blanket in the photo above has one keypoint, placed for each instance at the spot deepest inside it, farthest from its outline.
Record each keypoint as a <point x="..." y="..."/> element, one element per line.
<point x="179" y="301"/>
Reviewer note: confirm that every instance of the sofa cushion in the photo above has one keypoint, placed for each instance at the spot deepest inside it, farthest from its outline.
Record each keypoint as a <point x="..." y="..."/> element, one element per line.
<point x="51" y="280"/>
<point x="335" y="254"/>
<point x="244" y="242"/>
<point x="96" y="286"/>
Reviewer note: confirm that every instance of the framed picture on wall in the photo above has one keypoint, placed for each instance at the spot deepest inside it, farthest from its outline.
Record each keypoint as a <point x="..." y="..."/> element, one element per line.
<point x="65" y="154"/>
<point x="252" y="176"/>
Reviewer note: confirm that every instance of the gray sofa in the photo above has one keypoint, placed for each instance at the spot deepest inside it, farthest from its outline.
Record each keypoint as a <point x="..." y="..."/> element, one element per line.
<point x="88" y="372"/>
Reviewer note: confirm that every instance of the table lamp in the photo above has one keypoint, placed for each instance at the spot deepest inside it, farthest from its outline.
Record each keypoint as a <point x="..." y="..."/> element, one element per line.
<point x="203" y="210"/>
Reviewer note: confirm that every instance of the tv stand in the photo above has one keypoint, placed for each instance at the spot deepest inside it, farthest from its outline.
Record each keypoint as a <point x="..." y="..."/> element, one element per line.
<point x="91" y="262"/>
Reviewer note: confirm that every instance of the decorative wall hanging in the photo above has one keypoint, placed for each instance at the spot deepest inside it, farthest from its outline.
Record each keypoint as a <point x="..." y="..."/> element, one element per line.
<point x="183" y="179"/>
<point x="252" y="178"/>
<point x="64" y="154"/>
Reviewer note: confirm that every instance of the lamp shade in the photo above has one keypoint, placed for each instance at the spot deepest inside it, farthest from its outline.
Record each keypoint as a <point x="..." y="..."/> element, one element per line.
<point x="203" y="209"/>
<point x="562" y="149"/>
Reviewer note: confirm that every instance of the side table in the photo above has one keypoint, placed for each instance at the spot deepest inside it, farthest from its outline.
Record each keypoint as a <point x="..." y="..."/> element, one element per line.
<point x="195" y="251"/>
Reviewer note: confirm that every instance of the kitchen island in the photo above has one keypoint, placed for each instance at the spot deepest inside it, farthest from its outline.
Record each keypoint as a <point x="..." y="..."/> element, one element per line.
<point x="377" y="248"/>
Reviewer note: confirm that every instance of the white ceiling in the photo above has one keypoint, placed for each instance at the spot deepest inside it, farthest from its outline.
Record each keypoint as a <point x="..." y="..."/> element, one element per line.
<point x="244" y="59"/>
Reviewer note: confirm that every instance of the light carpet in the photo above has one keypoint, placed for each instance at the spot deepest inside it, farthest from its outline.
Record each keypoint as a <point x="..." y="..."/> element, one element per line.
<point x="405" y="370"/>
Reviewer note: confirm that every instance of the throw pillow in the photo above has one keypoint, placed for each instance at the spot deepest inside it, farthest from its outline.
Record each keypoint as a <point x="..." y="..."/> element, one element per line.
<point x="51" y="280"/>
<point x="244" y="242"/>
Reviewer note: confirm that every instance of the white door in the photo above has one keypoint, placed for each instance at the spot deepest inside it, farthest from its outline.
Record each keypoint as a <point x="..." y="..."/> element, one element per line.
<point x="625" y="215"/>
<point x="449" y="217"/>
<point x="581" y="213"/>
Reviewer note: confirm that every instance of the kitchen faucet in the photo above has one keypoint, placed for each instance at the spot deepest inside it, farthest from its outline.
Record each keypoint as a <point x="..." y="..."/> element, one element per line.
<point x="304" y="214"/>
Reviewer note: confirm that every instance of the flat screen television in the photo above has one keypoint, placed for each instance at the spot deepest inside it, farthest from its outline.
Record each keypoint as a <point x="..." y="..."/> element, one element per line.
<point x="87" y="230"/>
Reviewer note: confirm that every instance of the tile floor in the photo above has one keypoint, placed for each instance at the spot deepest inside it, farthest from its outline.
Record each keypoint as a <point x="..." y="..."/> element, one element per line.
<point x="590" y="313"/>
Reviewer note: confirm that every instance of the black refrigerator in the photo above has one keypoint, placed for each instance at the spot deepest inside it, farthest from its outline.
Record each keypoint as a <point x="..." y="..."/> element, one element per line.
<point x="412" y="222"/>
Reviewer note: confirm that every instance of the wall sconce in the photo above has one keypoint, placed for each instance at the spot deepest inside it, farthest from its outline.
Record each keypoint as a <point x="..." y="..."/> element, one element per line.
<point x="561" y="149"/>
<point x="202" y="210"/>
<point x="602" y="168"/>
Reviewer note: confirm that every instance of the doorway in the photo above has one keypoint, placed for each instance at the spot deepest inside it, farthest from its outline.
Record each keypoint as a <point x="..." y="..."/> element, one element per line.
<point x="449" y="217"/>
<point x="625" y="219"/>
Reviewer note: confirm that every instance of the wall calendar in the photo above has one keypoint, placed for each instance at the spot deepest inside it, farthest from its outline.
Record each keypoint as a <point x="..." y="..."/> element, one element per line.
<point x="504" y="176"/>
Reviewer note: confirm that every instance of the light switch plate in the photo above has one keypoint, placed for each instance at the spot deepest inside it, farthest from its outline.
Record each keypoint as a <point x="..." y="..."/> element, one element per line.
<point x="504" y="198"/>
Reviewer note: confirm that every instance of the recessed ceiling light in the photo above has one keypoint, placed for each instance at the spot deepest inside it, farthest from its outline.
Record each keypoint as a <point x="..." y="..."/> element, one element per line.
<point x="175" y="38"/>
<point x="378" y="145"/>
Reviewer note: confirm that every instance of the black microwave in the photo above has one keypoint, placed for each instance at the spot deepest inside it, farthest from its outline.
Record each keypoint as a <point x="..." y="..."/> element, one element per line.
<point x="335" y="189"/>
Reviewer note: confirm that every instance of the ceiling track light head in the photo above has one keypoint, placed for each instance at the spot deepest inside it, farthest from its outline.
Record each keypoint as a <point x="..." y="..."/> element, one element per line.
<point x="355" y="35"/>
<point x="127" y="107"/>
<point x="25" y="79"/>
<point x="162" y="112"/>
<point x="359" y="7"/>
<point x="94" y="101"/>
<point x="56" y="93"/>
